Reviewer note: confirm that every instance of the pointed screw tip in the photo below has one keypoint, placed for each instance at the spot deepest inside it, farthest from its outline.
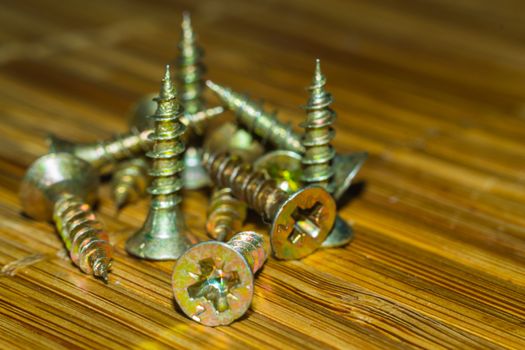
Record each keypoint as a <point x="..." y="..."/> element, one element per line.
<point x="167" y="73"/>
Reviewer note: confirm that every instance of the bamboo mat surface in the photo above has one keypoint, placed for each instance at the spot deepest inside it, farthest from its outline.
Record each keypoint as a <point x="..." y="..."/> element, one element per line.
<point x="433" y="90"/>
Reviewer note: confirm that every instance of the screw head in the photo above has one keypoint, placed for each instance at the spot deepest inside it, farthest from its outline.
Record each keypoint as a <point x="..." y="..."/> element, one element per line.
<point x="340" y="235"/>
<point x="302" y="223"/>
<point x="213" y="283"/>
<point x="346" y="167"/>
<point x="194" y="174"/>
<point x="52" y="175"/>
<point x="284" y="167"/>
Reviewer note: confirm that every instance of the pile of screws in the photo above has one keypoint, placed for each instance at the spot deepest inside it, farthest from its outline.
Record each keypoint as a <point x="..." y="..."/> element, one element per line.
<point x="294" y="188"/>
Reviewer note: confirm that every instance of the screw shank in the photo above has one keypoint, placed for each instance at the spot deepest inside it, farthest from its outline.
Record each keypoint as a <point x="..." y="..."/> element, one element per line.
<point x="251" y="246"/>
<point x="252" y="187"/>
<point x="83" y="235"/>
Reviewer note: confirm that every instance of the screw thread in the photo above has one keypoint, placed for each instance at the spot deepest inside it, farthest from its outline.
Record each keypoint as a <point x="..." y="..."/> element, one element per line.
<point x="251" y="246"/>
<point x="101" y="154"/>
<point x="251" y="187"/>
<point x="318" y="154"/>
<point x="197" y="121"/>
<point x="258" y="121"/>
<point x="226" y="215"/>
<point x="167" y="150"/>
<point x="83" y="236"/>
<point x="190" y="68"/>
<point x="129" y="181"/>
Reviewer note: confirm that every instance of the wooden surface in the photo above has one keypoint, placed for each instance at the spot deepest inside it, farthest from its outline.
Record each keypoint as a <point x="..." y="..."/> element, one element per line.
<point x="434" y="90"/>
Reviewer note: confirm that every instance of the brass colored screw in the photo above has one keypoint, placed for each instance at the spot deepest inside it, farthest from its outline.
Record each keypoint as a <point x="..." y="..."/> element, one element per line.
<point x="285" y="168"/>
<point x="226" y="215"/>
<point x="213" y="281"/>
<point x="164" y="234"/>
<point x="129" y="181"/>
<point x="265" y="125"/>
<point x="190" y="68"/>
<point x="61" y="187"/>
<point x="300" y="222"/>
<point x="103" y="155"/>
<point x="258" y="121"/>
<point x="318" y="154"/>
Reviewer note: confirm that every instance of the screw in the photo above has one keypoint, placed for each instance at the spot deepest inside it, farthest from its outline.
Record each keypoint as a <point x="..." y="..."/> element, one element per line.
<point x="164" y="234"/>
<point x="129" y="181"/>
<point x="265" y="125"/>
<point x="318" y="152"/>
<point x="226" y="214"/>
<point x="258" y="121"/>
<point x="104" y="154"/>
<point x="300" y="222"/>
<point x="230" y="138"/>
<point x="61" y="187"/>
<point x="284" y="167"/>
<point x="213" y="281"/>
<point x="190" y="68"/>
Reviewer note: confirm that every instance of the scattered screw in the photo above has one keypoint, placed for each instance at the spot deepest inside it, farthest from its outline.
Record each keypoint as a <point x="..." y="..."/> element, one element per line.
<point x="190" y="68"/>
<point x="129" y="181"/>
<point x="103" y="155"/>
<point x="226" y="215"/>
<point x="318" y="152"/>
<point x="213" y="281"/>
<point x="164" y="234"/>
<point x="300" y="222"/>
<point x="61" y="187"/>
<point x="258" y="121"/>
<point x="284" y="167"/>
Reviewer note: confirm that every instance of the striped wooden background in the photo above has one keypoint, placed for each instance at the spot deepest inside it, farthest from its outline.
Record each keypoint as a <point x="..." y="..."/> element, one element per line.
<point x="434" y="90"/>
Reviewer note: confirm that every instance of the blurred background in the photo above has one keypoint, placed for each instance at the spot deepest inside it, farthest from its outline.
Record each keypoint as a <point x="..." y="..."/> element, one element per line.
<point x="428" y="64"/>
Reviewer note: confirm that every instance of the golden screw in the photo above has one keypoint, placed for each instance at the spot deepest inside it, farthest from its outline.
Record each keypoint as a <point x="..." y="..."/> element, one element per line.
<point x="129" y="181"/>
<point x="104" y="154"/>
<point x="319" y="154"/>
<point x="258" y="121"/>
<point x="213" y="281"/>
<point x="61" y="187"/>
<point x="226" y="215"/>
<point x="164" y="234"/>
<point x="190" y="68"/>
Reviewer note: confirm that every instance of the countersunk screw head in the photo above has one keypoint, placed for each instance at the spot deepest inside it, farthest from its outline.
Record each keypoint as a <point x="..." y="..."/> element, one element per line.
<point x="52" y="175"/>
<point x="302" y="223"/>
<point x="285" y="168"/>
<point x="213" y="283"/>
